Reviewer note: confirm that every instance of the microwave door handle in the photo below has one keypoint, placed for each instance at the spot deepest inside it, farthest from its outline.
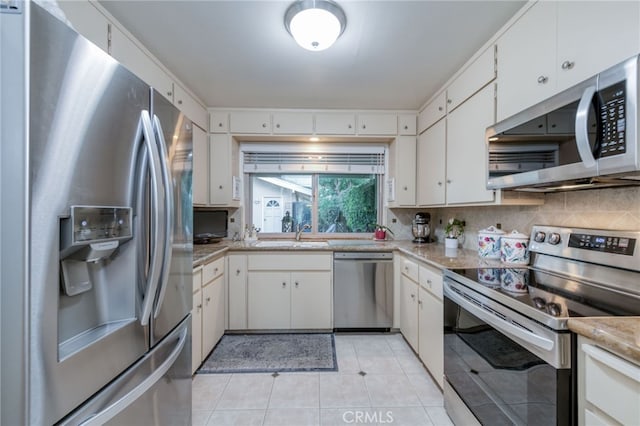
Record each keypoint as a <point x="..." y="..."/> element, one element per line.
<point x="582" y="127"/>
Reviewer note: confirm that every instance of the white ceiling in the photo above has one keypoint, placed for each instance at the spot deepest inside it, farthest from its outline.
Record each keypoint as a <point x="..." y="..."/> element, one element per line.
<point x="237" y="53"/>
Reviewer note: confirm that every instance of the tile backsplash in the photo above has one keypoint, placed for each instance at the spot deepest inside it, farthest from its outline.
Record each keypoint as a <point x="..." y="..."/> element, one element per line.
<point x="608" y="208"/>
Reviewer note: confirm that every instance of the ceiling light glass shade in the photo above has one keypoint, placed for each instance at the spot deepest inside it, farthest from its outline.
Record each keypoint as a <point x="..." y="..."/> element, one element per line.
<point x="315" y="24"/>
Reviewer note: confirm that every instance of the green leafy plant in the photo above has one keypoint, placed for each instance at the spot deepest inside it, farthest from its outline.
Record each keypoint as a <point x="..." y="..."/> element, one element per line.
<point x="454" y="228"/>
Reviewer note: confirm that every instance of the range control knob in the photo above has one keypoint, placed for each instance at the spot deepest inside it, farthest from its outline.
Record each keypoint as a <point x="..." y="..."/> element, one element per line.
<point x="539" y="237"/>
<point x="554" y="239"/>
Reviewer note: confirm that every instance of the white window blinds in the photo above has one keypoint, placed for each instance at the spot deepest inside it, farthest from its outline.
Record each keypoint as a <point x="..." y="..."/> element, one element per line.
<point x="314" y="162"/>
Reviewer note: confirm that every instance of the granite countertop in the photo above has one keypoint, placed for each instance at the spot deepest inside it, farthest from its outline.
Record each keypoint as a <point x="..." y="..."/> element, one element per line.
<point x="620" y="334"/>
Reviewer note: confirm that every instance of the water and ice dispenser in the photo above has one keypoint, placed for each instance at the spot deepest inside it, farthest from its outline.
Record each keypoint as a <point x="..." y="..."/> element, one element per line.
<point x="90" y="235"/>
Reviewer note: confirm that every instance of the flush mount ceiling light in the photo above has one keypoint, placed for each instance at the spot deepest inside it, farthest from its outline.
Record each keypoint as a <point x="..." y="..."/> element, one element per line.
<point x="315" y="24"/>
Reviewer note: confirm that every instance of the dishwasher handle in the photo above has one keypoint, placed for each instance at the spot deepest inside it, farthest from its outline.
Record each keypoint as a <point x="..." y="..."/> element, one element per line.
<point x="352" y="255"/>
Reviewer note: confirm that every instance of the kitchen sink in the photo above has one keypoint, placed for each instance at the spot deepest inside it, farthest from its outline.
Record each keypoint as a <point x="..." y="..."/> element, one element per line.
<point x="308" y="244"/>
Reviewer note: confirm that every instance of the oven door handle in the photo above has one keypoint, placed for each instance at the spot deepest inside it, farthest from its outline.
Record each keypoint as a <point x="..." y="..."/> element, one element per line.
<point x="499" y="323"/>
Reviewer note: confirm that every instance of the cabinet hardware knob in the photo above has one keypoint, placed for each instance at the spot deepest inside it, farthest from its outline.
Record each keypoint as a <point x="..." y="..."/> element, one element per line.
<point x="428" y="281"/>
<point x="277" y="126"/>
<point x="448" y="180"/>
<point x="284" y="285"/>
<point x="440" y="108"/>
<point x="297" y="284"/>
<point x="439" y="183"/>
<point x="219" y="124"/>
<point x="543" y="79"/>
<point x="237" y="271"/>
<point x="420" y="302"/>
<point x="406" y="127"/>
<point x="449" y="101"/>
<point x="220" y="187"/>
<point x="208" y="299"/>
<point x="179" y="101"/>
<point x="404" y="187"/>
<point x="364" y="126"/>
<point x="169" y="93"/>
<point x="349" y="126"/>
<point x="413" y="296"/>
<point x="199" y="306"/>
<point x="264" y="125"/>
<point x="567" y="65"/>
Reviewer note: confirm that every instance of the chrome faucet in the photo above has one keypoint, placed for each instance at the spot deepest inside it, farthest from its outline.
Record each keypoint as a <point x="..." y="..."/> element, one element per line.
<point x="300" y="231"/>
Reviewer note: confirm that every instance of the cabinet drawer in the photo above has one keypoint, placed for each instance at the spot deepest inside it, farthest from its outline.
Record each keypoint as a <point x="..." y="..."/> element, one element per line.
<point x="212" y="270"/>
<point x="289" y="262"/>
<point x="293" y="123"/>
<point x="377" y="124"/>
<point x="410" y="269"/>
<point x="250" y="122"/>
<point x="197" y="279"/>
<point x="218" y="122"/>
<point x="481" y="72"/>
<point x="335" y="124"/>
<point x="432" y="112"/>
<point x="612" y="384"/>
<point x="431" y="280"/>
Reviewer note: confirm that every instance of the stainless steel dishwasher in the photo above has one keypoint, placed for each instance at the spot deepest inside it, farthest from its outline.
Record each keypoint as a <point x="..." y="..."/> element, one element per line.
<point x="363" y="291"/>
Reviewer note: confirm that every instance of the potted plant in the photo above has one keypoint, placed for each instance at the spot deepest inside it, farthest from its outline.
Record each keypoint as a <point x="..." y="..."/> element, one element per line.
<point x="380" y="232"/>
<point x="453" y="231"/>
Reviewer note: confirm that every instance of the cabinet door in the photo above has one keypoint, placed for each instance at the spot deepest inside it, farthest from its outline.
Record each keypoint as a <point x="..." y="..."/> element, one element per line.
<point x="477" y="75"/>
<point x="200" y="175"/>
<point x="405" y="170"/>
<point x="407" y="124"/>
<point x="431" y="340"/>
<point x="250" y="122"/>
<point x="293" y="123"/>
<point x="583" y="51"/>
<point x="137" y="61"/>
<point x="196" y="331"/>
<point x="526" y="60"/>
<point x="377" y="124"/>
<point x="311" y="300"/>
<point x="409" y="311"/>
<point x="212" y="314"/>
<point x="237" y="290"/>
<point x="220" y="169"/>
<point x="88" y="21"/>
<point x="432" y="112"/>
<point x="218" y="122"/>
<point x="335" y="124"/>
<point x="269" y="300"/>
<point x="190" y="106"/>
<point x="466" y="149"/>
<point x="430" y="168"/>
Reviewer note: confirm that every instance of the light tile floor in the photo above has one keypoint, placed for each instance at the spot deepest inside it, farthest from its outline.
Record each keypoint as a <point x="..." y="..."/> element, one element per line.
<point x="396" y="390"/>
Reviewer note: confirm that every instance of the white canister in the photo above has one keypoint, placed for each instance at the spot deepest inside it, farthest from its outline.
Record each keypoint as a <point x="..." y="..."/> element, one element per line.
<point x="514" y="248"/>
<point x="489" y="242"/>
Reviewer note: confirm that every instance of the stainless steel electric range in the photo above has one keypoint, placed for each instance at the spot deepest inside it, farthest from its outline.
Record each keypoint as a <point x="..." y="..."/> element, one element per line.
<point x="509" y="356"/>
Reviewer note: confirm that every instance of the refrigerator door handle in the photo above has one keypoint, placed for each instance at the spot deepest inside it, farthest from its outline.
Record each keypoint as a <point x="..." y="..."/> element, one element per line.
<point x="168" y="187"/>
<point x="118" y="406"/>
<point x="157" y="217"/>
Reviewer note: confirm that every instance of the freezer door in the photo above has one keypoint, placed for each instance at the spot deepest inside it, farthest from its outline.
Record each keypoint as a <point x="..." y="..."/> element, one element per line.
<point x="174" y="298"/>
<point x="155" y="391"/>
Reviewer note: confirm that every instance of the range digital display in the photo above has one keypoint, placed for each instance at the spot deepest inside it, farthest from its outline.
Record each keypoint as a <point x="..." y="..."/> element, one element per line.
<point x="603" y="243"/>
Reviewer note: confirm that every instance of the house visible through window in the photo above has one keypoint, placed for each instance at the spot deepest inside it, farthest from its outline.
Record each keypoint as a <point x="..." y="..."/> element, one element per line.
<point x="335" y="196"/>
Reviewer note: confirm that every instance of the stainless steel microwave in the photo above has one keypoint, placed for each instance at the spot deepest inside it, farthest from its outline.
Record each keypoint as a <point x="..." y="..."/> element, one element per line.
<point x="583" y="137"/>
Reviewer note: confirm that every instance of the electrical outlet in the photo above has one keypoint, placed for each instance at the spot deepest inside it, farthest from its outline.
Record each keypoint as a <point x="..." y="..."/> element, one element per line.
<point x="394" y="220"/>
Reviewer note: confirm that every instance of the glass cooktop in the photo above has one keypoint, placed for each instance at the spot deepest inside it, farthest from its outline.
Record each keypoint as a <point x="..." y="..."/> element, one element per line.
<point x="549" y="294"/>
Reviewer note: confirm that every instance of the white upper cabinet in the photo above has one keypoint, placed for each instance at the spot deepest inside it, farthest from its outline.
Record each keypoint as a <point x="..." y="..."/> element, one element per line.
<point x="433" y="112"/>
<point x="407" y="124"/>
<point x="335" y="124"/>
<point x="190" y="107"/>
<point x="250" y="122"/>
<point x="594" y="35"/>
<point x="293" y="123"/>
<point x="466" y="149"/>
<point x="555" y="45"/>
<point x="218" y="122"/>
<point x="377" y="124"/>
<point x="200" y="176"/>
<point x="88" y="21"/>
<point x="403" y="170"/>
<point x="477" y="75"/>
<point x="431" y="160"/>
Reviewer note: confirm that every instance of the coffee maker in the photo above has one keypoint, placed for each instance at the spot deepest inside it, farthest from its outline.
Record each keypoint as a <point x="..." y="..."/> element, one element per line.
<point x="421" y="228"/>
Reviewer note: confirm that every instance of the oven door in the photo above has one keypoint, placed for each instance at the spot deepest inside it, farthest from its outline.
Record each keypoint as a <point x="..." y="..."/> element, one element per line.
<point x="494" y="367"/>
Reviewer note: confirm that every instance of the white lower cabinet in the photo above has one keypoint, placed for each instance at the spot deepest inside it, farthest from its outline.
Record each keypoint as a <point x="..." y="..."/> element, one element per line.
<point x="421" y="314"/>
<point x="237" y="291"/>
<point x="311" y="300"/>
<point x="608" y="386"/>
<point x="208" y="311"/>
<point x="269" y="300"/>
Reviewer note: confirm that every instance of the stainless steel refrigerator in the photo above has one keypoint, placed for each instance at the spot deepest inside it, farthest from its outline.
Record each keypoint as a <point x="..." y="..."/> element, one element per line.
<point x="96" y="287"/>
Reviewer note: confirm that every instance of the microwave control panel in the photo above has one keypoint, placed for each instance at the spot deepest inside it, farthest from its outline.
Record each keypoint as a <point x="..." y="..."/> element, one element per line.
<point x="603" y="243"/>
<point x="613" y="120"/>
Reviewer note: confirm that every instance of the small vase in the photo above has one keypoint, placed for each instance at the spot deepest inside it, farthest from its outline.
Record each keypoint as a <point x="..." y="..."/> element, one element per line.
<point x="451" y="243"/>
